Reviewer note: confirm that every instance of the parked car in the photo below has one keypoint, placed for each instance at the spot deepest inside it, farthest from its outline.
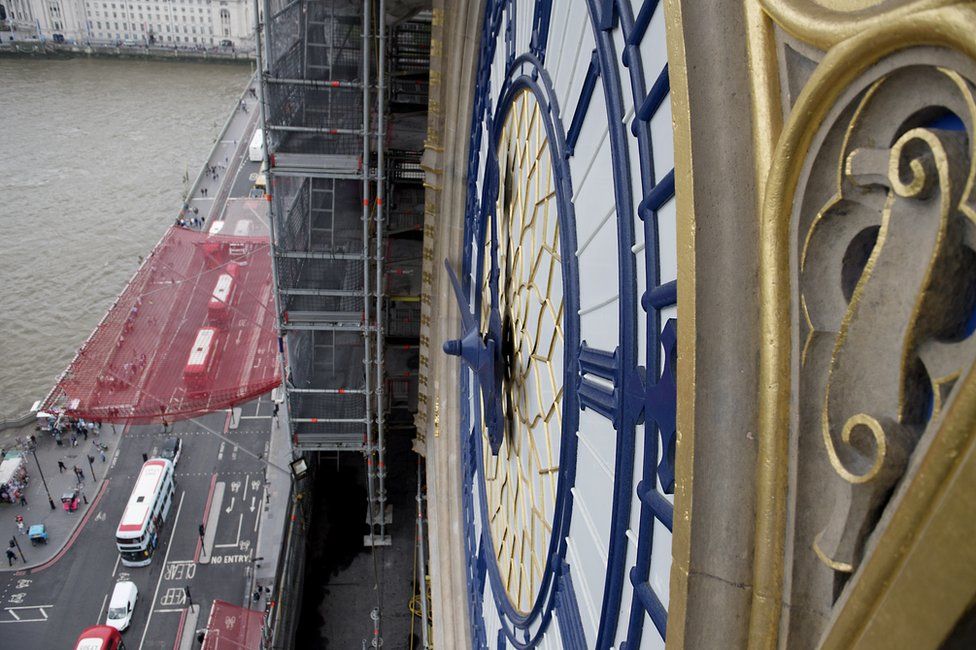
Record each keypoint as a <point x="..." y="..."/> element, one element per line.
<point x="172" y="449"/>
<point x="121" y="605"/>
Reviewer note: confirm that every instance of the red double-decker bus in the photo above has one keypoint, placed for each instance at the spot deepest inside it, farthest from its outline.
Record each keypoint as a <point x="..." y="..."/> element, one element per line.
<point x="99" y="637"/>
<point x="202" y="360"/>
<point x="218" y="310"/>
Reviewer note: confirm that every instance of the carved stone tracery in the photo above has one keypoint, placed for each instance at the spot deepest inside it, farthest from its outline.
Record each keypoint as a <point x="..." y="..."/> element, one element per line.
<point x="887" y="273"/>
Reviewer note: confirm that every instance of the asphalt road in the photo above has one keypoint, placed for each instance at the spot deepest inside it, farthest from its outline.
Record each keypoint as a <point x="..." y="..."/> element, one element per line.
<point x="46" y="607"/>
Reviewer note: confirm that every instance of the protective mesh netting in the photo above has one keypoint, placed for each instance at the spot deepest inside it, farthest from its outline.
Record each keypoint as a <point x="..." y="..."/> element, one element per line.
<point x="230" y="627"/>
<point x="192" y="332"/>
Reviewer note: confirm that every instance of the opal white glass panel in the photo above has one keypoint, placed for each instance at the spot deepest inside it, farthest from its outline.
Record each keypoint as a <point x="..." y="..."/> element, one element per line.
<point x="662" y="138"/>
<point x="661" y="562"/>
<point x="569" y="63"/>
<point x="667" y="235"/>
<point x="651" y="640"/>
<point x="589" y="596"/>
<point x="653" y="48"/>
<point x="524" y="10"/>
<point x="492" y="622"/>
<point x="592" y="140"/>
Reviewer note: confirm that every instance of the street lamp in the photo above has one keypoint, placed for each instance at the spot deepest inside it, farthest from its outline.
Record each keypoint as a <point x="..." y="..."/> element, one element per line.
<point x="15" y="543"/>
<point x="43" y="480"/>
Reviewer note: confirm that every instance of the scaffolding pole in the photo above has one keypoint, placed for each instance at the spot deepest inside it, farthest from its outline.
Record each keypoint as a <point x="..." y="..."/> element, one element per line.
<point x="370" y="487"/>
<point x="380" y="210"/>
<point x="260" y="62"/>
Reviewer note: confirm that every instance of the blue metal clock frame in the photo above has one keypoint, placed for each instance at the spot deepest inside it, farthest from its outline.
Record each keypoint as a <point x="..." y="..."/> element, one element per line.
<point x="526" y="73"/>
<point x="640" y="396"/>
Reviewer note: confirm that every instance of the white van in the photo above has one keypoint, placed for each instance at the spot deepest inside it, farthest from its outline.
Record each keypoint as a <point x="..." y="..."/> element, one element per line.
<point x="255" y="151"/>
<point x="121" y="605"/>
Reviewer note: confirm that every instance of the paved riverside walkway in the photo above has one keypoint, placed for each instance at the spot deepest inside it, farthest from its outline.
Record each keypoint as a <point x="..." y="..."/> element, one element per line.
<point x="61" y="525"/>
<point x="208" y="194"/>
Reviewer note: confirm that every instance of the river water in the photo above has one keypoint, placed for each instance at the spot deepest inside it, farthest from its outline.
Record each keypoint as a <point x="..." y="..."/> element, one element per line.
<point x="93" y="156"/>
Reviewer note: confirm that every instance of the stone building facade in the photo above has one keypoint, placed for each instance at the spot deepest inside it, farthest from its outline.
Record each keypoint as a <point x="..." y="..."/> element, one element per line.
<point x="182" y="23"/>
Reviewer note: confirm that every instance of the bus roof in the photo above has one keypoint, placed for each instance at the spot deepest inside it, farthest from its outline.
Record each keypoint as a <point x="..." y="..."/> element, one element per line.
<point x="136" y="514"/>
<point x="222" y="288"/>
<point x="201" y="346"/>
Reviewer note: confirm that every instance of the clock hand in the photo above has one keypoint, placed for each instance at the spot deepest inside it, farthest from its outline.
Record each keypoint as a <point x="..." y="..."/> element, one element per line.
<point x="481" y="354"/>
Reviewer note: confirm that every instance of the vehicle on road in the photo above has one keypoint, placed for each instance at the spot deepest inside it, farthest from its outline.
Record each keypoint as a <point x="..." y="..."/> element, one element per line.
<point x="202" y="361"/>
<point x="218" y="309"/>
<point x="69" y="500"/>
<point x="121" y="605"/>
<point x="99" y="637"/>
<point x="255" y="151"/>
<point x="145" y="514"/>
<point x="37" y="534"/>
<point x="171" y="449"/>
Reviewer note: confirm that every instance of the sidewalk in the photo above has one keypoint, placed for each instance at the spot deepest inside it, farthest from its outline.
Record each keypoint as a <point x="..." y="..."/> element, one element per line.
<point x="226" y="154"/>
<point x="60" y="525"/>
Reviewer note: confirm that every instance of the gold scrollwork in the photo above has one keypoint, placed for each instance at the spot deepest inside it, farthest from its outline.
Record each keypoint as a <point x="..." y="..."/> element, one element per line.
<point x="857" y="41"/>
<point x="827" y="22"/>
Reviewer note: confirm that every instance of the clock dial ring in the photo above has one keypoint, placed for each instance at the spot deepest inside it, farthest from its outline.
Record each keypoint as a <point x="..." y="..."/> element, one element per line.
<point x="529" y="79"/>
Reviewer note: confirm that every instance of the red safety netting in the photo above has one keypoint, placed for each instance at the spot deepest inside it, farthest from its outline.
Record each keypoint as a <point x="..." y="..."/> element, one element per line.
<point x="233" y="628"/>
<point x="192" y="332"/>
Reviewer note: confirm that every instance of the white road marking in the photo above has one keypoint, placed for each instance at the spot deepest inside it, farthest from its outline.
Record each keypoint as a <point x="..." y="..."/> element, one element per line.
<point x="231" y="506"/>
<point x="102" y="608"/>
<point x="169" y="547"/>
<point x="264" y="494"/>
<point x="238" y="540"/>
<point x="117" y="558"/>
<point x="17" y="619"/>
<point x="167" y="611"/>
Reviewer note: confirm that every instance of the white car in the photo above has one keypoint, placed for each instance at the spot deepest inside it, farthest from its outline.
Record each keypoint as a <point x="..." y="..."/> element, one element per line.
<point x="121" y="605"/>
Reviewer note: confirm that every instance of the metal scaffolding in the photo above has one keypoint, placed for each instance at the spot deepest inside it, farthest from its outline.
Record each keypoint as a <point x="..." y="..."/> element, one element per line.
<point x="346" y="204"/>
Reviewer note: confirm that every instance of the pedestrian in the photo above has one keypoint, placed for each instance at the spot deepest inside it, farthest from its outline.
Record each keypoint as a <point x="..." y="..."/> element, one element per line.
<point x="84" y="432"/>
<point x="11" y="556"/>
<point x="33" y="440"/>
<point x="20" y="525"/>
<point x="101" y="452"/>
<point x="57" y="438"/>
<point x="23" y="499"/>
<point x="61" y="467"/>
<point x="74" y="439"/>
<point x="145" y="457"/>
<point x="274" y="412"/>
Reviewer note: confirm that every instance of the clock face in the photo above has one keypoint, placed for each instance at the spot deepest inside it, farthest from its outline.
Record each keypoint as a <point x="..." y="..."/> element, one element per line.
<point x="567" y="278"/>
<point x="520" y="481"/>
